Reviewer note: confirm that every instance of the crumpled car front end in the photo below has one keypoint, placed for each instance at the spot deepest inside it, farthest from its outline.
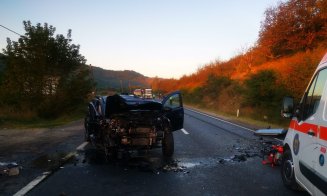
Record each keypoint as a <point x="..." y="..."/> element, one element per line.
<point x="122" y="122"/>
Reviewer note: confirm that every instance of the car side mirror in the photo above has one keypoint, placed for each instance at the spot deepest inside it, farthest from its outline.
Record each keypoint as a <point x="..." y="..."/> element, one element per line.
<point x="288" y="107"/>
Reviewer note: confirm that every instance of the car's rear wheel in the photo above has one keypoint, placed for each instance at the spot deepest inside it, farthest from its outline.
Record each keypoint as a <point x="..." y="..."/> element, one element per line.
<point x="287" y="171"/>
<point x="110" y="153"/>
<point x="87" y="129"/>
<point x="168" y="144"/>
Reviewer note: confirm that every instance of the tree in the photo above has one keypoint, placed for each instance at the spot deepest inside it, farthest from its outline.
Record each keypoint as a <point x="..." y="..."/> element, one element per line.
<point x="292" y="26"/>
<point x="262" y="90"/>
<point x="2" y="66"/>
<point x="44" y="73"/>
<point x="215" y="84"/>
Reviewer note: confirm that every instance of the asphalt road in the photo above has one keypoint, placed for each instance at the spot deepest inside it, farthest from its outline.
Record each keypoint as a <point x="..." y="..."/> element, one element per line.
<point x="212" y="157"/>
<point x="35" y="151"/>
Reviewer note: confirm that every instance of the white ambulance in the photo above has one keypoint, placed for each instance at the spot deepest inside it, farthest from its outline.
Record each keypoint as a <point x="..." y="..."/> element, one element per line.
<point x="304" y="163"/>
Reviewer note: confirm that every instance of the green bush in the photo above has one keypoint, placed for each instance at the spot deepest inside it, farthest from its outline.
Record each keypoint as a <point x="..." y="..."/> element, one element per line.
<point x="214" y="85"/>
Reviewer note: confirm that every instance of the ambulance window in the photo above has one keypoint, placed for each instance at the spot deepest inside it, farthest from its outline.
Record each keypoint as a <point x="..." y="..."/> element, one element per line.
<point x="313" y="96"/>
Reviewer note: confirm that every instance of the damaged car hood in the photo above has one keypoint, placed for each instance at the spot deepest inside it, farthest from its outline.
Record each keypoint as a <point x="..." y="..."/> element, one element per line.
<point x="123" y="103"/>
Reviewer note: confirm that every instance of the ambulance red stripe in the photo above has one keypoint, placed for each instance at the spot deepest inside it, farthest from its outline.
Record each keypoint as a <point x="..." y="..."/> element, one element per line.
<point x="323" y="133"/>
<point x="305" y="127"/>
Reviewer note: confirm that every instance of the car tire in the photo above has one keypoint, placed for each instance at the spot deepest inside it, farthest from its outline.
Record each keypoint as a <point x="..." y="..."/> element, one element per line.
<point x="110" y="153"/>
<point x="87" y="129"/>
<point x="287" y="171"/>
<point x="168" y="144"/>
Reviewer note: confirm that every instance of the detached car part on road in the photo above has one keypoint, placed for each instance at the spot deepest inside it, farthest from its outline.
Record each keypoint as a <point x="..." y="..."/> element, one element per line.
<point x="122" y="122"/>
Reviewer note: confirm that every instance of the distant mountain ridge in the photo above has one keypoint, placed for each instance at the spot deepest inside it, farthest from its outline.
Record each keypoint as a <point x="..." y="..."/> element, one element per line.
<point x="126" y="79"/>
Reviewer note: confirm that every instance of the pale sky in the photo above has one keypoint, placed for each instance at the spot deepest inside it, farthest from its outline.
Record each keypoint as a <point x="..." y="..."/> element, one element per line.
<point x="164" y="38"/>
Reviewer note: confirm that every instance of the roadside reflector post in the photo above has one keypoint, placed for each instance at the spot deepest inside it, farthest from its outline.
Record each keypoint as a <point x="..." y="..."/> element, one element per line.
<point x="237" y="113"/>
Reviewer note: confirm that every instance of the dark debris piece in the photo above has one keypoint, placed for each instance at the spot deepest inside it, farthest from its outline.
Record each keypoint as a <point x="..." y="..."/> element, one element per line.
<point x="239" y="158"/>
<point x="173" y="166"/>
<point x="258" y="148"/>
<point x="9" y="169"/>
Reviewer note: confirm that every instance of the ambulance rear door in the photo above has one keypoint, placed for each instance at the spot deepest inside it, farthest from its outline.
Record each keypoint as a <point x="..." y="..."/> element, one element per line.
<point x="308" y="129"/>
<point x="319" y="178"/>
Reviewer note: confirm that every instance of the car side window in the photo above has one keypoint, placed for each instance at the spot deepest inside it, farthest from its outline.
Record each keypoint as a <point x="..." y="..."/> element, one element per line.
<point x="313" y="95"/>
<point x="173" y="102"/>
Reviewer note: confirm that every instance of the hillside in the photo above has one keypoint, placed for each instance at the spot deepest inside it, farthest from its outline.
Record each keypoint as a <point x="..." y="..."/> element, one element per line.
<point x="127" y="79"/>
<point x="291" y="42"/>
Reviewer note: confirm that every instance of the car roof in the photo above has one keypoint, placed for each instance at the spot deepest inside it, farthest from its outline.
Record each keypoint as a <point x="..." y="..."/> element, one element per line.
<point x="138" y="100"/>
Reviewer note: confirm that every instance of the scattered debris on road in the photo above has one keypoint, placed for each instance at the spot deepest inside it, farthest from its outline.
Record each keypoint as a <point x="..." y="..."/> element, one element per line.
<point x="9" y="169"/>
<point x="236" y="158"/>
<point x="274" y="156"/>
<point x="269" y="150"/>
<point x="173" y="166"/>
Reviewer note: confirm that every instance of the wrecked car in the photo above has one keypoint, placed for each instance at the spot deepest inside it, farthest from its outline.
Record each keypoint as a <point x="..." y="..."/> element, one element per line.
<point x="122" y="122"/>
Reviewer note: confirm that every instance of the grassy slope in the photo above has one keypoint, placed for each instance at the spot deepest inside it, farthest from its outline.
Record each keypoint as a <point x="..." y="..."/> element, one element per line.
<point x="40" y="123"/>
<point x="243" y="120"/>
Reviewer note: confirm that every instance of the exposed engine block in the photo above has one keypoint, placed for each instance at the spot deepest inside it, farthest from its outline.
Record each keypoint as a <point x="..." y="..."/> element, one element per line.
<point x="132" y="133"/>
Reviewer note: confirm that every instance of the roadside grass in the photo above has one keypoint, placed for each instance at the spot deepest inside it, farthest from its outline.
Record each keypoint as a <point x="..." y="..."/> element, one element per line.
<point x="31" y="121"/>
<point x="28" y="120"/>
<point x="242" y="119"/>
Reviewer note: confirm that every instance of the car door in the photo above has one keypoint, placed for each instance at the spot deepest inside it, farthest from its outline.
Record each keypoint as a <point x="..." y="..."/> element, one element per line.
<point x="307" y="128"/>
<point x="173" y="109"/>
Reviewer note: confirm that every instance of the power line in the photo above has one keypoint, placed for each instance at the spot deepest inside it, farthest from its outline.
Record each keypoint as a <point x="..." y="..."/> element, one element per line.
<point x="11" y="30"/>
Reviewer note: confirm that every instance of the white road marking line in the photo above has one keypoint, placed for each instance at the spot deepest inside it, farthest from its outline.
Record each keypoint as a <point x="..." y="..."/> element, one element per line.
<point x="39" y="179"/>
<point x="222" y="120"/>
<point x="185" y="132"/>
<point x="32" y="184"/>
<point x="228" y="122"/>
<point x="82" y="146"/>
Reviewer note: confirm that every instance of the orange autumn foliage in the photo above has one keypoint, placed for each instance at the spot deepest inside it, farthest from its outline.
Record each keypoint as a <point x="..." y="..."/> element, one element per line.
<point x="294" y="72"/>
<point x="292" y="40"/>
